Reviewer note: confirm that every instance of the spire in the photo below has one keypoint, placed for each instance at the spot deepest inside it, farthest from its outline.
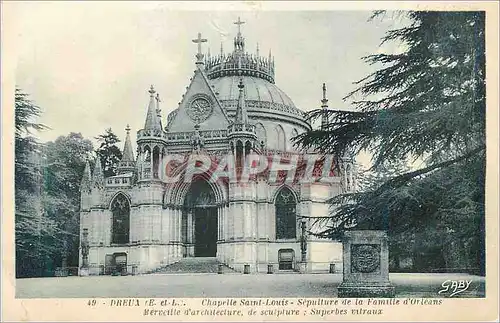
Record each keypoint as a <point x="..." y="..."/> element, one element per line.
<point x="241" y="111"/>
<point x="324" y="106"/>
<point x="128" y="153"/>
<point x="258" y="50"/>
<point x="98" y="177"/>
<point x="152" y="122"/>
<point x="221" y="49"/>
<point x="87" y="177"/>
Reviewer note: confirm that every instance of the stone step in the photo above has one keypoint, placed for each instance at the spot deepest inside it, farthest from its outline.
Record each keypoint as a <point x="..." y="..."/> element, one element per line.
<point x="192" y="265"/>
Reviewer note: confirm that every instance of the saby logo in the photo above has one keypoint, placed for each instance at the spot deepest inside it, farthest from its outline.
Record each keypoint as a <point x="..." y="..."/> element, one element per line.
<point x="454" y="286"/>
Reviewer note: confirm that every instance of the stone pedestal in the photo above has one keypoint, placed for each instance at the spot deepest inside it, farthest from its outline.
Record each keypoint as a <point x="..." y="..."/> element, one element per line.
<point x="366" y="265"/>
<point x="84" y="271"/>
<point x="303" y="267"/>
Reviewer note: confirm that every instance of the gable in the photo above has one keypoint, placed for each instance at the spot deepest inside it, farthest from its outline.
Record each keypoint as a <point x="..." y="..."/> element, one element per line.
<point x="199" y="106"/>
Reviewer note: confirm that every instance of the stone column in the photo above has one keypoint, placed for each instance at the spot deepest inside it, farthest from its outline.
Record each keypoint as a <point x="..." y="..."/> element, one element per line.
<point x="190" y="233"/>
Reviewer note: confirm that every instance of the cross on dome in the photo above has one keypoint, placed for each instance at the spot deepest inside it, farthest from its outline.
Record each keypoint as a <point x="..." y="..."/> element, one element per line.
<point x="239" y="23"/>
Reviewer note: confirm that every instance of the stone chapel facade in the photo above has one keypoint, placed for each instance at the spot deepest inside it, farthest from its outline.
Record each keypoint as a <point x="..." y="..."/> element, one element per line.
<point x="232" y="105"/>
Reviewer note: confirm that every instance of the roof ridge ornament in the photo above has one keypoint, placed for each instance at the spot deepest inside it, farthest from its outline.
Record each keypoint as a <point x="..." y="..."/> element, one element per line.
<point x="239" y="23"/>
<point x="324" y="107"/>
<point x="238" y="63"/>
<point x="239" y="41"/>
<point x="199" y="54"/>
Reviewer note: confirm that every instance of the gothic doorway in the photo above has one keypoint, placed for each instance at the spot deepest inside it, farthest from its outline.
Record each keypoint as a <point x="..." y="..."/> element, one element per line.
<point x="201" y="217"/>
<point x="205" y="232"/>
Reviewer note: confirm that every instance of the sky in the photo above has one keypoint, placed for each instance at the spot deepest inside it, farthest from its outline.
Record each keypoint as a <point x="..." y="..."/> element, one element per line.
<point x="88" y="65"/>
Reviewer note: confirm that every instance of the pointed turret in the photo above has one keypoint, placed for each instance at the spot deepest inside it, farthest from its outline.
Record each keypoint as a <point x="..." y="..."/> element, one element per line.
<point x="241" y="128"/>
<point x="127" y="163"/>
<point x="324" y="106"/>
<point x="98" y="176"/>
<point x="86" y="188"/>
<point x="152" y="121"/>
<point x="241" y="116"/>
<point x="86" y="183"/>
<point x="128" y="152"/>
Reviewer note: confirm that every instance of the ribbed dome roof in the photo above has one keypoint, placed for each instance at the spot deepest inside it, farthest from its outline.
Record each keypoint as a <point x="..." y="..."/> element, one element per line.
<point x="256" y="89"/>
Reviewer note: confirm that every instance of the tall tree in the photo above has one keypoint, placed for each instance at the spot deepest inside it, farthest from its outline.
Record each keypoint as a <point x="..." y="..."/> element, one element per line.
<point x="108" y="152"/>
<point x="65" y="163"/>
<point x="31" y="223"/>
<point x="425" y="103"/>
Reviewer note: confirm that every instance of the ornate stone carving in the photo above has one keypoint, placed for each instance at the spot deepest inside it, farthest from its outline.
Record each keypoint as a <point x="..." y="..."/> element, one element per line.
<point x="200" y="108"/>
<point x="365" y="258"/>
<point x="197" y="140"/>
<point x="84" y="244"/>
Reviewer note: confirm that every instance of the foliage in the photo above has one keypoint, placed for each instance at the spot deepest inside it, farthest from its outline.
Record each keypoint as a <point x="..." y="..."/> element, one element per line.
<point x="65" y="162"/>
<point x="425" y="103"/>
<point x="109" y="154"/>
<point x="31" y="224"/>
<point x="47" y="198"/>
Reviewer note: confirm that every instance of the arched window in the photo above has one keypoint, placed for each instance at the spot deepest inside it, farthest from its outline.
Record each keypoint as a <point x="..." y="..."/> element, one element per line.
<point x="156" y="161"/>
<point x="120" y="231"/>
<point x="280" y="137"/>
<point x="260" y="131"/>
<point x="286" y="217"/>
<point x="147" y="154"/>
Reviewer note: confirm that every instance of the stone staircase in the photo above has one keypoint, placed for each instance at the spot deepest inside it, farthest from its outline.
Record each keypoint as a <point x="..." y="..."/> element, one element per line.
<point x="193" y="265"/>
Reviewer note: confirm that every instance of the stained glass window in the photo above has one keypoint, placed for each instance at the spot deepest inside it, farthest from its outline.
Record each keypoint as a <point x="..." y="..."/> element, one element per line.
<point x="286" y="218"/>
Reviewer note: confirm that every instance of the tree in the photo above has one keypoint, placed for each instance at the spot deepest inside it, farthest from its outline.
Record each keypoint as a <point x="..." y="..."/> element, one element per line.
<point x="65" y="163"/>
<point x="426" y="103"/>
<point x="31" y="223"/>
<point x="108" y="152"/>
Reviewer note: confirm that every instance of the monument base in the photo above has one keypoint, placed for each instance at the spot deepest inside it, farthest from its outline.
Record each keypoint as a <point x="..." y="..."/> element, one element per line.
<point x="372" y="290"/>
<point x="302" y="267"/>
<point x="84" y="272"/>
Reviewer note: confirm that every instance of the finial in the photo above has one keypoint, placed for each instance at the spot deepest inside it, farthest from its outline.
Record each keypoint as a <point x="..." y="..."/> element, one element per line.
<point x="257" y="49"/>
<point x="239" y="23"/>
<point x="241" y="85"/>
<point x="198" y="41"/>
<point x="324" y="101"/>
<point x="152" y="90"/>
<point x="158" y="97"/>
<point x="221" y="49"/>
<point x="127" y="129"/>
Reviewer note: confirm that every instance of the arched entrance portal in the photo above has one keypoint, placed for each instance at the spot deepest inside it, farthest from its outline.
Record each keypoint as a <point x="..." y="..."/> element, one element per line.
<point x="200" y="203"/>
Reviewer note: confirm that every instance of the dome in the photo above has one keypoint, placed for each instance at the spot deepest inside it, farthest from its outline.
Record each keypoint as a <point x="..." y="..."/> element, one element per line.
<point x="264" y="100"/>
<point x="259" y="94"/>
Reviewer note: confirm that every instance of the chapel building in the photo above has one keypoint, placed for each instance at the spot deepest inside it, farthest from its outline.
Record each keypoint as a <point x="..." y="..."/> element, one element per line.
<point x="232" y="106"/>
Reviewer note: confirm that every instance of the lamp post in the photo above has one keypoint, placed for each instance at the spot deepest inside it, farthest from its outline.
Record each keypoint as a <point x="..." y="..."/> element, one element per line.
<point x="303" y="240"/>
